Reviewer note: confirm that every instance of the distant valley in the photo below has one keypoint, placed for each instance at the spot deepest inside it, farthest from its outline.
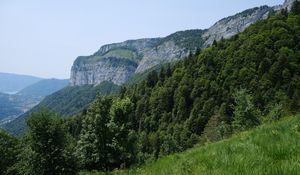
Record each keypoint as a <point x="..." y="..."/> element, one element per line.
<point x="15" y="101"/>
<point x="12" y="83"/>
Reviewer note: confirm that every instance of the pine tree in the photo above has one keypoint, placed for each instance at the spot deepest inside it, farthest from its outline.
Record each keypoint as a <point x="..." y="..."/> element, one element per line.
<point x="295" y="9"/>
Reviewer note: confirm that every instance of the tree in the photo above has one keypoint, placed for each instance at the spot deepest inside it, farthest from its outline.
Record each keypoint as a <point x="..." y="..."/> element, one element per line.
<point x="295" y="9"/>
<point x="152" y="79"/>
<point x="47" y="146"/>
<point x="122" y="145"/>
<point x="8" y="151"/>
<point x="245" y="114"/>
<point x="92" y="146"/>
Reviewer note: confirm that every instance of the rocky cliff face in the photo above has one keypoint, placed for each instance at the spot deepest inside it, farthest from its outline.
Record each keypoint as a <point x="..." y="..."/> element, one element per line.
<point x="114" y="62"/>
<point x="287" y="4"/>
<point x="120" y="61"/>
<point x="232" y="25"/>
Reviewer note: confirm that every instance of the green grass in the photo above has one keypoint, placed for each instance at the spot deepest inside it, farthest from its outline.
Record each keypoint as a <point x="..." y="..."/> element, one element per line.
<point x="271" y="149"/>
<point x="121" y="53"/>
<point x="118" y="53"/>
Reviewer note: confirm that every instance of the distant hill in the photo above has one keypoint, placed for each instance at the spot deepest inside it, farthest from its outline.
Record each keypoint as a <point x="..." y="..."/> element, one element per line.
<point x="43" y="88"/>
<point x="11" y="83"/>
<point x="8" y="107"/>
<point x="67" y="101"/>
<point x="14" y="105"/>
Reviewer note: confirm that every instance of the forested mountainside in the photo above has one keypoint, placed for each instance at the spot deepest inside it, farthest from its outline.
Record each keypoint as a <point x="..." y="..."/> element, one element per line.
<point x="231" y="86"/>
<point x="248" y="153"/>
<point x="43" y="88"/>
<point x="234" y="85"/>
<point x="131" y="61"/>
<point x="66" y="102"/>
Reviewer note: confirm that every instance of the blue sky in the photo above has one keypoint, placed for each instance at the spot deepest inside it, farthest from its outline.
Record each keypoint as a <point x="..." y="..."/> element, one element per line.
<point x="43" y="38"/>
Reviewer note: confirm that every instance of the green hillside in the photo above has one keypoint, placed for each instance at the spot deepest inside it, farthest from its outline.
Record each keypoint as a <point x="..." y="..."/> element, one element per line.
<point x="271" y="149"/>
<point x="43" y="88"/>
<point x="221" y="92"/>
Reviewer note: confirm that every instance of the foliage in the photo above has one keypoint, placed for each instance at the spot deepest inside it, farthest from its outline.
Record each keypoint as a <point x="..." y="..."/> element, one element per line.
<point x="66" y="102"/>
<point x="244" y="115"/>
<point x="296" y="7"/>
<point x="230" y="86"/>
<point x="248" y="153"/>
<point x="227" y="87"/>
<point x="106" y="139"/>
<point x="46" y="150"/>
<point x="92" y="144"/>
<point x="8" y="151"/>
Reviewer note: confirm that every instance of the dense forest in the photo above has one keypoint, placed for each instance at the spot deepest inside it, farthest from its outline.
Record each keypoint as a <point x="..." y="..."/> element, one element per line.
<point x="234" y="85"/>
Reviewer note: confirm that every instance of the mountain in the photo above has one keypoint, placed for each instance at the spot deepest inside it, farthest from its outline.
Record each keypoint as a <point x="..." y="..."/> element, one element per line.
<point x="43" y="88"/>
<point x="120" y="61"/>
<point x="247" y="82"/>
<point x="237" y="155"/>
<point x="14" y="105"/>
<point x="128" y="61"/>
<point x="66" y="102"/>
<point x="12" y="83"/>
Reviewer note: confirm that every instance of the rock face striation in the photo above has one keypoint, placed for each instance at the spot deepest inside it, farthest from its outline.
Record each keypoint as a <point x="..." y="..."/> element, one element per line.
<point x="118" y="62"/>
<point x="227" y="27"/>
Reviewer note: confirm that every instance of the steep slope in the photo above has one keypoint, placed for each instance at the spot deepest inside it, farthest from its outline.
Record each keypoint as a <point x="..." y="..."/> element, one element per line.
<point x="12" y="83"/>
<point x="66" y="102"/>
<point x="120" y="61"/>
<point x="269" y="149"/>
<point x="234" y="85"/>
<point x="227" y="27"/>
<point x="43" y="88"/>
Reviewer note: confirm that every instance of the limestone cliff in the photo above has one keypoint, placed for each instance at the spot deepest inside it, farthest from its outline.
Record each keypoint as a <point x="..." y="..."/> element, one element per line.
<point x="232" y="25"/>
<point x="118" y="62"/>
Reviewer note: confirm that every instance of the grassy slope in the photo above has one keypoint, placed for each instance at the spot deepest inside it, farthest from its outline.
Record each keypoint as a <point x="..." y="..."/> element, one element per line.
<point x="272" y="149"/>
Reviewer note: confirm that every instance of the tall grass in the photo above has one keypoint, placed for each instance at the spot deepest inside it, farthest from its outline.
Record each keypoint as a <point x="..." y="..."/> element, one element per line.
<point x="272" y="149"/>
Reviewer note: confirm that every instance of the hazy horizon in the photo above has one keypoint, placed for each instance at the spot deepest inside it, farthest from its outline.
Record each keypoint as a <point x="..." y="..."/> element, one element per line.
<point x="44" y="38"/>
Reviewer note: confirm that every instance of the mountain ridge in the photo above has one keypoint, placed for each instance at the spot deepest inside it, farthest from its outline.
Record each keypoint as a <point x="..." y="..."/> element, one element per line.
<point x="149" y="52"/>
